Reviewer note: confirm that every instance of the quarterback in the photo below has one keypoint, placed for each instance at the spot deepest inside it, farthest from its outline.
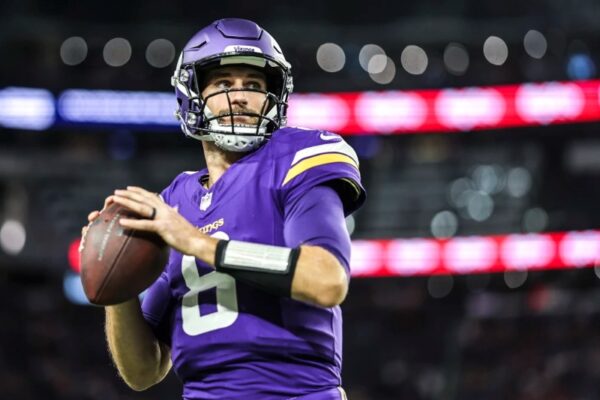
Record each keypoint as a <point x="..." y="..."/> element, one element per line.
<point x="248" y="304"/>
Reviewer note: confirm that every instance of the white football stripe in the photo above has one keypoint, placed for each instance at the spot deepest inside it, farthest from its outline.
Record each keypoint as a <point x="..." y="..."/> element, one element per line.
<point x="337" y="147"/>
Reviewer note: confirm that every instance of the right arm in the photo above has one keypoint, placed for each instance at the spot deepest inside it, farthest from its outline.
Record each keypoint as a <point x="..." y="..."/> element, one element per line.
<point x="142" y="360"/>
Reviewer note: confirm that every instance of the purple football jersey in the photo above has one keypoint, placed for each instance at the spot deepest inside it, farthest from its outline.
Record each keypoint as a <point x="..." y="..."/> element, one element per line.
<point x="229" y="340"/>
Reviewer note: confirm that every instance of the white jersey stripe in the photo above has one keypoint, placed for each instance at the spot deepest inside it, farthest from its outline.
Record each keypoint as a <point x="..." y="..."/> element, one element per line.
<point x="337" y="147"/>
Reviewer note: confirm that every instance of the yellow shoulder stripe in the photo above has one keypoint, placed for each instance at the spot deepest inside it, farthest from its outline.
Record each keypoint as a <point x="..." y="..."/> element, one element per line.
<point x="315" y="161"/>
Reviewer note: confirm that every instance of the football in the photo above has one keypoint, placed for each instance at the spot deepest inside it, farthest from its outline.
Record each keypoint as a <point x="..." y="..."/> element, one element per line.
<point x="117" y="263"/>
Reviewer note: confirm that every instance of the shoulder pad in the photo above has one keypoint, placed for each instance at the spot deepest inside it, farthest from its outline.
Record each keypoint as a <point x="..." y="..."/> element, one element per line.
<point x="306" y="158"/>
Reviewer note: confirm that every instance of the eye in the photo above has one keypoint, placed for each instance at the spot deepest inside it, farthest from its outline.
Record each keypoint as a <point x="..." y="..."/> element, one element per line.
<point x="222" y="84"/>
<point x="256" y="85"/>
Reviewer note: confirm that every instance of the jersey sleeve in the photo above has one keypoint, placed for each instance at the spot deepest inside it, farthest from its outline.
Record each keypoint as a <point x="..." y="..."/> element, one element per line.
<point x="156" y="307"/>
<point x="177" y="184"/>
<point x="317" y="218"/>
<point x="320" y="158"/>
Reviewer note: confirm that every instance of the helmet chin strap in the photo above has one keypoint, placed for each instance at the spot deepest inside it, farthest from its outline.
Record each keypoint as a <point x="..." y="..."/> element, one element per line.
<point x="243" y="138"/>
<point x="238" y="144"/>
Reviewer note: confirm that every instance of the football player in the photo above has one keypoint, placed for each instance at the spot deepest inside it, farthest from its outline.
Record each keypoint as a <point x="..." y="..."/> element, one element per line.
<point x="248" y="304"/>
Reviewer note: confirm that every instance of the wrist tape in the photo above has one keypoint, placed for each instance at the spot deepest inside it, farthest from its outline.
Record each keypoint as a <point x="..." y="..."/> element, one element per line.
<point x="269" y="268"/>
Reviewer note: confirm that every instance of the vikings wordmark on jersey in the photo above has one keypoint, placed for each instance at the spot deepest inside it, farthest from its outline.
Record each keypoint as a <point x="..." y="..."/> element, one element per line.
<point x="232" y="335"/>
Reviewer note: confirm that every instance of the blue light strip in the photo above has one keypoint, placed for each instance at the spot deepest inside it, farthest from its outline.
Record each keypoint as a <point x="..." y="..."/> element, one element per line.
<point x="117" y="108"/>
<point x="26" y="108"/>
<point x="73" y="289"/>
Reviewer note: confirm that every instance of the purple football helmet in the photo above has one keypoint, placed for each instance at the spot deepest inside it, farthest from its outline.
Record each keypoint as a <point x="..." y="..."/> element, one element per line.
<point x="226" y="42"/>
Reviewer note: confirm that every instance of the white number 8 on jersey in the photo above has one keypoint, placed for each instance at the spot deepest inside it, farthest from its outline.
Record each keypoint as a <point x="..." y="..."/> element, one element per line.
<point x="194" y="323"/>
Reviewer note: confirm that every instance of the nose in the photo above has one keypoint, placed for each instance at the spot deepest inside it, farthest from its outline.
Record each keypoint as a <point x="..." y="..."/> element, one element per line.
<point x="238" y="95"/>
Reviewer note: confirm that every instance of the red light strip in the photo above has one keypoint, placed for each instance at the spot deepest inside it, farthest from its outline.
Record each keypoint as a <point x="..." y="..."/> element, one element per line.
<point x="448" y="110"/>
<point x="73" y="255"/>
<point x="475" y="254"/>
<point x="463" y="255"/>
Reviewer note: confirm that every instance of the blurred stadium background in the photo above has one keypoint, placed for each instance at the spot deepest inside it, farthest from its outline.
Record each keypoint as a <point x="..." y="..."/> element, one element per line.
<point x="477" y="127"/>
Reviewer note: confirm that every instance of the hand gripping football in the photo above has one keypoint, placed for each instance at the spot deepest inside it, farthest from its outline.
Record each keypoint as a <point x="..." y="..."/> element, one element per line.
<point x="118" y="263"/>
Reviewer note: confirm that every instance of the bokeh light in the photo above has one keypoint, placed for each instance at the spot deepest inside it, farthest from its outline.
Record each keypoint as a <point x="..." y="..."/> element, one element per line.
<point x="377" y="64"/>
<point x="581" y="66"/>
<point x="535" y="220"/>
<point x="367" y="52"/>
<point x="12" y="236"/>
<point x="518" y="182"/>
<point x="73" y="50"/>
<point x="387" y="75"/>
<point x="495" y="50"/>
<point x="117" y="52"/>
<point x="160" y="53"/>
<point x="440" y="286"/>
<point x="480" y="205"/>
<point x="515" y="279"/>
<point x="331" y="57"/>
<point x="535" y="44"/>
<point x="414" y="60"/>
<point x="456" y="58"/>
<point x="444" y="224"/>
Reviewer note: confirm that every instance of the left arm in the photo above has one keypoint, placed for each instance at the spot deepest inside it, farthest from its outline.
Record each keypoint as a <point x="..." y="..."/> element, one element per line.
<point x="315" y="222"/>
<point x="319" y="277"/>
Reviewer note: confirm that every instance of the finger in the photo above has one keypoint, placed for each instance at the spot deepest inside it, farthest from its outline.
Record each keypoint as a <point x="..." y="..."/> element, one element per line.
<point x="83" y="231"/>
<point x="143" y="210"/>
<point x="107" y="201"/>
<point x="93" y="215"/>
<point x="138" y="224"/>
<point x="137" y="189"/>
<point x="145" y="193"/>
<point x="131" y="195"/>
<point x="140" y="195"/>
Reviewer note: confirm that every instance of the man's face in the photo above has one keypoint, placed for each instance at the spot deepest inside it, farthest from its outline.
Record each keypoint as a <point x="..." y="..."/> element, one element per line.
<point x="236" y="77"/>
